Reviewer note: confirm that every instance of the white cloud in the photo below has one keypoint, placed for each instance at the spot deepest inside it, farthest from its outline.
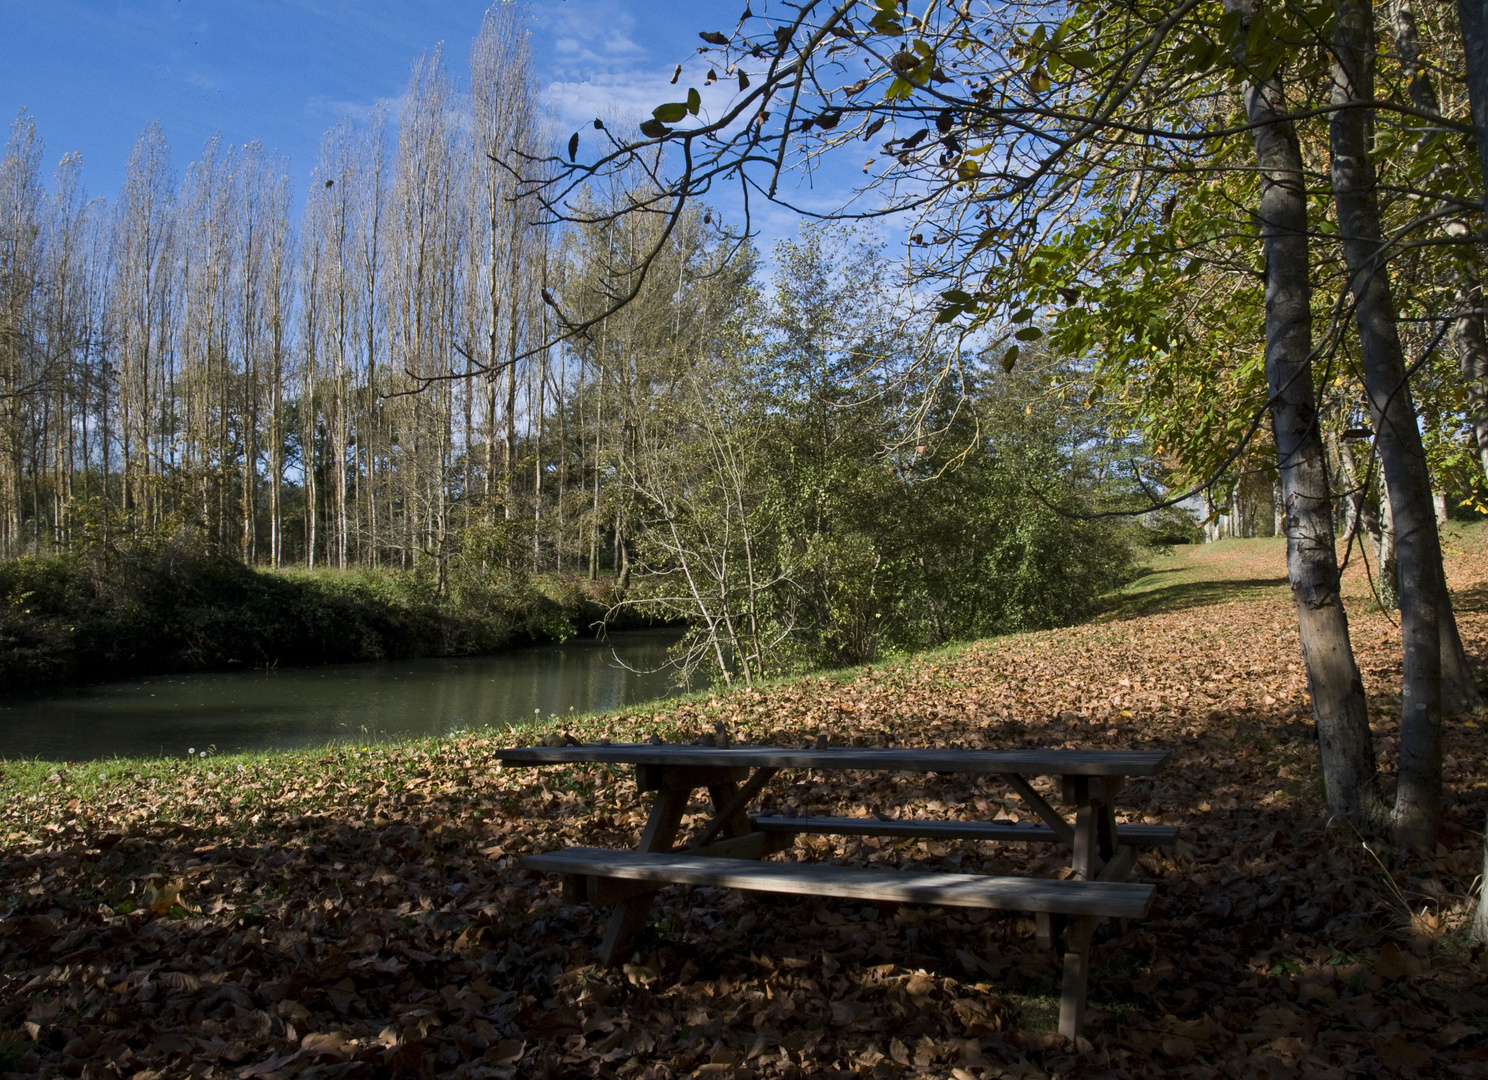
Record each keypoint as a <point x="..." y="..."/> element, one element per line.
<point x="627" y="93"/>
<point x="200" y="80"/>
<point x="333" y="109"/>
<point x="577" y="103"/>
<point x="593" y="33"/>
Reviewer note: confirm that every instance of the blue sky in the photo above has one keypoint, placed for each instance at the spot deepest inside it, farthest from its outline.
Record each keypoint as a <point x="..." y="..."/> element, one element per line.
<point x="93" y="74"/>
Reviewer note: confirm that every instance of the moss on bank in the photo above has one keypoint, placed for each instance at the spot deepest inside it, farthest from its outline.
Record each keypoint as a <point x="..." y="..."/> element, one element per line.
<point x="176" y="607"/>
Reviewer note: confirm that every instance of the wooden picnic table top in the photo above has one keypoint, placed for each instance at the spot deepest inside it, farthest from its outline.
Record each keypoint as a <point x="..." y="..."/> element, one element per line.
<point x="906" y="759"/>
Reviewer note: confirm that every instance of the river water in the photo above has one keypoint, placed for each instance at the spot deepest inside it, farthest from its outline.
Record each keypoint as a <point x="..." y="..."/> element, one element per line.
<point x="301" y="707"/>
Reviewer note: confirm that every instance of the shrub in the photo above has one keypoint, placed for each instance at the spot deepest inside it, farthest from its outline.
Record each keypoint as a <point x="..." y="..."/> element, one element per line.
<point x="172" y="605"/>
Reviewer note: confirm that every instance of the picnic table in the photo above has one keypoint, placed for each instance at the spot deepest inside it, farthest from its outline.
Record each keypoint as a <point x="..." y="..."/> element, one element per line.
<point x="726" y="850"/>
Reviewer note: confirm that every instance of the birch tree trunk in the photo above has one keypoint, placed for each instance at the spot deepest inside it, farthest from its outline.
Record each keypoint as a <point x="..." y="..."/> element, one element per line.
<point x="1472" y="17"/>
<point x="1345" y="745"/>
<point x="1468" y="330"/>
<point x="1426" y="625"/>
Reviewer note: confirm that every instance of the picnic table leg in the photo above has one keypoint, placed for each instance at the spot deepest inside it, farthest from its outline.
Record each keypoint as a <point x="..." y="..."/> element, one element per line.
<point x="1094" y="847"/>
<point x="1076" y="976"/>
<point x="724" y="797"/>
<point x="1086" y="859"/>
<point x="629" y="916"/>
<point x="1109" y="787"/>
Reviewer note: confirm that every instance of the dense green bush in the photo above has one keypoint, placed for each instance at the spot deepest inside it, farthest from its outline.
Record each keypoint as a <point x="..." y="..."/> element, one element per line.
<point x="830" y="492"/>
<point x="1168" y="526"/>
<point x="180" y="605"/>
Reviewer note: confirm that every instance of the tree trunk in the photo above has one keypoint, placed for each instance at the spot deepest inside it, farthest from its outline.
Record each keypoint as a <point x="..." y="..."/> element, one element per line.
<point x="1459" y="690"/>
<point x="1389" y="566"/>
<point x="1472" y="358"/>
<point x="1479" y="933"/>
<point x="1345" y="745"/>
<point x="1472" y="17"/>
<point x="1211" y="517"/>
<point x="1467" y="331"/>
<point x="1361" y="517"/>
<point x="1402" y="456"/>
<point x="1472" y="343"/>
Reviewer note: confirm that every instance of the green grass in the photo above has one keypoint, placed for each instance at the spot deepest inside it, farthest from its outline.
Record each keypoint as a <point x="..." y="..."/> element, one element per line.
<point x="13" y="1051"/>
<point x="1036" y="1013"/>
<point x="1200" y="575"/>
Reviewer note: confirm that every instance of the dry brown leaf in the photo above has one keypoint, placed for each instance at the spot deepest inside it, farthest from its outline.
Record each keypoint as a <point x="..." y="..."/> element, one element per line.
<point x="506" y="1052"/>
<point x="331" y="1044"/>
<point x="1399" y="1054"/>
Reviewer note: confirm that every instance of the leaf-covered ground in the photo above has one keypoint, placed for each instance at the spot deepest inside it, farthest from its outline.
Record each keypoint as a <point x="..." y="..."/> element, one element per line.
<point x="362" y="911"/>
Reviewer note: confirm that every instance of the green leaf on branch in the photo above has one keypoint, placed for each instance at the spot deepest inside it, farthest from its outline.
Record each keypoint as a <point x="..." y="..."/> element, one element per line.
<point x="671" y="112"/>
<point x="986" y="240"/>
<point x="899" y="90"/>
<point x="694" y="101"/>
<point x="655" y="129"/>
<point x="1023" y="316"/>
<point x="1229" y="25"/>
<point x="1010" y="358"/>
<point x="1029" y="333"/>
<point x="886" y="19"/>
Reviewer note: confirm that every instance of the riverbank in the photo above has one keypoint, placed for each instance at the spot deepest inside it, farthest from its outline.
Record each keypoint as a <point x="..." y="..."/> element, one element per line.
<point x="364" y="907"/>
<point x="173" y="608"/>
<point x="290" y="708"/>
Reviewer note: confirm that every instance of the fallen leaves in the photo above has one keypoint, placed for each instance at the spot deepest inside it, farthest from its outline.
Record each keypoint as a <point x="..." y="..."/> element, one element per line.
<point x="366" y="913"/>
<point x="161" y="895"/>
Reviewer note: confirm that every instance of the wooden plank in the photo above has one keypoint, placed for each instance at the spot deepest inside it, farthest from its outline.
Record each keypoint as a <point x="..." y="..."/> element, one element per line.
<point x="1048" y="928"/>
<point x="1076" y="977"/>
<point x="1119" y="866"/>
<point x="664" y="820"/>
<point x="1095" y="898"/>
<point x="926" y="829"/>
<point x="1084" y="860"/>
<point x="586" y="888"/>
<point x="605" y="891"/>
<point x="755" y="845"/>
<point x="1105" y="821"/>
<point x="686" y="777"/>
<point x="1052" y="818"/>
<point x="732" y="822"/>
<point x="1031" y="762"/>
<point x="731" y="813"/>
<point x="629" y="915"/>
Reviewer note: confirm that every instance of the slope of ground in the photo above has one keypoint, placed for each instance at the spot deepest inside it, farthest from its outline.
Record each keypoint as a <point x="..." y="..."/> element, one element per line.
<point x="362" y="912"/>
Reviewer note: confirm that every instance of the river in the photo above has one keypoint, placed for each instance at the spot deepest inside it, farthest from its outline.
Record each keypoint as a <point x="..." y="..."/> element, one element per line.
<point x="289" y="708"/>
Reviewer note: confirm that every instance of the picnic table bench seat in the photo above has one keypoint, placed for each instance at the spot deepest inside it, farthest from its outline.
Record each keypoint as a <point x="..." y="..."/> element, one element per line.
<point x="926" y="829"/>
<point x="1101" y="899"/>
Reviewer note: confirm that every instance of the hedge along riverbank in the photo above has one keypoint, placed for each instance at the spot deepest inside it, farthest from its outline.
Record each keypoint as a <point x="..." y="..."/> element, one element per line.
<point x="177" y="607"/>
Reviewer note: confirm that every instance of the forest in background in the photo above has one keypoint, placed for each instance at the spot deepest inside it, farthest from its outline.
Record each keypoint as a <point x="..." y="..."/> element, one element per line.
<point x="377" y="387"/>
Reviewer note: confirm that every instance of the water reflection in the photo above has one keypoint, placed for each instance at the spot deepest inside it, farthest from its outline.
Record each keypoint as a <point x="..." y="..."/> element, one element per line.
<point x="299" y="707"/>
